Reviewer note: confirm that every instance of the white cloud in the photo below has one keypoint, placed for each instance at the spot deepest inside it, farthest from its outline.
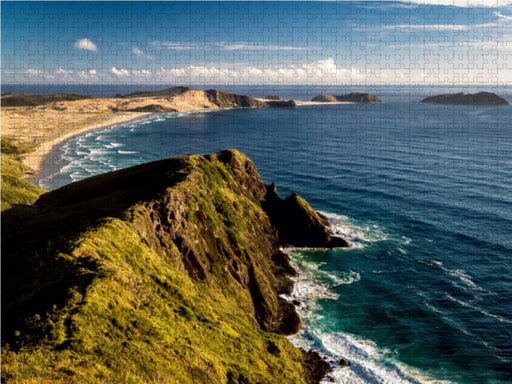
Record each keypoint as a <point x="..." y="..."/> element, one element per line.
<point x="63" y="72"/>
<point x="142" y="72"/>
<point x="33" y="72"/>
<point x="324" y="71"/>
<point x="139" y="53"/>
<point x="176" y="45"/>
<point x="256" y="47"/>
<point x="119" y="72"/>
<point x="501" y="16"/>
<point x="435" y="27"/>
<point x="86" y="44"/>
<point x="463" y="3"/>
<point x="327" y="71"/>
<point x="223" y="45"/>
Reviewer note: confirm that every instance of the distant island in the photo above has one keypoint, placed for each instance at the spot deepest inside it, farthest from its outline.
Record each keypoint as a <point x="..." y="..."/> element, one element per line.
<point x="354" y="97"/>
<point x="480" y="98"/>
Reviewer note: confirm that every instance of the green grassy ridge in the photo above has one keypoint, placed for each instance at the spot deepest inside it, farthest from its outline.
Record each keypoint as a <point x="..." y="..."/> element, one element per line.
<point x="18" y="99"/>
<point x="16" y="191"/>
<point x="154" y="285"/>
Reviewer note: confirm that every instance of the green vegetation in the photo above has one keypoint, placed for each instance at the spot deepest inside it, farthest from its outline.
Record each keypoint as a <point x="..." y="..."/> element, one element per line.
<point x="144" y="276"/>
<point x="14" y="190"/>
<point x="325" y="98"/>
<point x="18" y="99"/>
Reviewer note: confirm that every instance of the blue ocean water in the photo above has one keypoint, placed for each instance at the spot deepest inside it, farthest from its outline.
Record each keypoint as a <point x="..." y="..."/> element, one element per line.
<point x="423" y="192"/>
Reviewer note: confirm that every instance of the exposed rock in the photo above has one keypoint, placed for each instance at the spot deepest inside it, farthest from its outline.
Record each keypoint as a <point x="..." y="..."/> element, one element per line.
<point x="316" y="366"/>
<point x="345" y="363"/>
<point x="230" y="100"/>
<point x="273" y="349"/>
<point x="297" y="223"/>
<point x="282" y="104"/>
<point x="271" y="96"/>
<point x="354" y="97"/>
<point x="481" y="98"/>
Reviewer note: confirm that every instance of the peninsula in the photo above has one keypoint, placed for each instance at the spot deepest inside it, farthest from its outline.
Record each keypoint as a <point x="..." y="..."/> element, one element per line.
<point x="169" y="270"/>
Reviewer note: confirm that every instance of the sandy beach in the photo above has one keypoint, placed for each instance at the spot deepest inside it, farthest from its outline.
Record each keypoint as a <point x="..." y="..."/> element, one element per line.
<point x="41" y="130"/>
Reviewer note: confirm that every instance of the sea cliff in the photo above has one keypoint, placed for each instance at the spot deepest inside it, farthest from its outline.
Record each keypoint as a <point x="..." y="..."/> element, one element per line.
<point x="165" y="272"/>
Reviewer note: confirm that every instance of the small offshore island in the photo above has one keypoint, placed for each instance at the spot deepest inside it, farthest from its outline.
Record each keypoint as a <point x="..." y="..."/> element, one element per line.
<point x="480" y="98"/>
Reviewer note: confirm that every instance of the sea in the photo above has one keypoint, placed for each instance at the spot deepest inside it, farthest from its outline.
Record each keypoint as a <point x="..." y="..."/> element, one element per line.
<point x="422" y="191"/>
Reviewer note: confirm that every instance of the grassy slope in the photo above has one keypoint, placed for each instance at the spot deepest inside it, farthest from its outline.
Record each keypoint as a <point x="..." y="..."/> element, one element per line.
<point x="15" y="190"/>
<point x="124" y="313"/>
<point x="24" y="99"/>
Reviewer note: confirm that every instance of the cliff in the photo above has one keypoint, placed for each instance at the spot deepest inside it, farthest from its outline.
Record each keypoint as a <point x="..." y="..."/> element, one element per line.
<point x="165" y="272"/>
<point x="481" y="98"/>
<point x="354" y="97"/>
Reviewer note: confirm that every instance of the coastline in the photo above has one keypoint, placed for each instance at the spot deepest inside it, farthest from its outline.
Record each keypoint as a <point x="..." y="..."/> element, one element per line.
<point x="35" y="160"/>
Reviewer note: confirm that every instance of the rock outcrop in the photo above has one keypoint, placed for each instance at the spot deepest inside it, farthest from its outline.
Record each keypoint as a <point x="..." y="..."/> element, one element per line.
<point x="167" y="269"/>
<point x="230" y="100"/>
<point x="481" y="98"/>
<point x="354" y="97"/>
<point x="297" y="223"/>
<point x="282" y="104"/>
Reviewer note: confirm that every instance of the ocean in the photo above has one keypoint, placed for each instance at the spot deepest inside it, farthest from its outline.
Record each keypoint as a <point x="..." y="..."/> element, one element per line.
<point x="422" y="191"/>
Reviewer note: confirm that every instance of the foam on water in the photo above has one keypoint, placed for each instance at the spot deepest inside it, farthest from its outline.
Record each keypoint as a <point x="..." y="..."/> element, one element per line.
<point x="358" y="235"/>
<point x="369" y="363"/>
<point x="460" y="276"/>
<point x="480" y="310"/>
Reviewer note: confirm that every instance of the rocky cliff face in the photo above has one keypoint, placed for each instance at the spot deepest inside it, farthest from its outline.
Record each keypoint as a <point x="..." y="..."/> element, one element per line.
<point x="481" y="98"/>
<point x="170" y="269"/>
<point x="230" y="100"/>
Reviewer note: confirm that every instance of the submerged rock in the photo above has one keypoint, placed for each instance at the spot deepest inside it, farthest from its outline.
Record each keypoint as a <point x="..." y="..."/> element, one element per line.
<point x="481" y="98"/>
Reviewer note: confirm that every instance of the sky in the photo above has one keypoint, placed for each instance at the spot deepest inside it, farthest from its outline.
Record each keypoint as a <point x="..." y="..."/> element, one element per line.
<point x="426" y="42"/>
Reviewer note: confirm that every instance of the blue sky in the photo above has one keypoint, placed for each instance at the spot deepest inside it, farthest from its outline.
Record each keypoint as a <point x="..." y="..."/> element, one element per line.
<point x="329" y="42"/>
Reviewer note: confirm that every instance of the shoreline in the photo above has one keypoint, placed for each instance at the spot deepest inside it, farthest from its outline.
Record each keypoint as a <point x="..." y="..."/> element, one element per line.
<point x="35" y="160"/>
